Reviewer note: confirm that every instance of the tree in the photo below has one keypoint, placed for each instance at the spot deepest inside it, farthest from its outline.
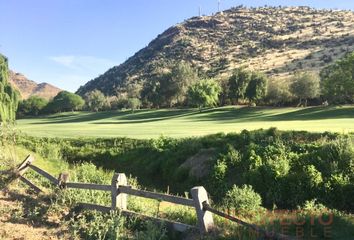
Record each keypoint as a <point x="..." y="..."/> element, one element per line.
<point x="133" y="104"/>
<point x="238" y="83"/>
<point x="134" y="90"/>
<point x="169" y="87"/>
<point x="153" y="92"/>
<point x="95" y="100"/>
<point x="305" y="86"/>
<point x="337" y="80"/>
<point x="257" y="87"/>
<point x="32" y="106"/>
<point x="8" y="96"/>
<point x="204" y="93"/>
<point x="182" y="76"/>
<point x="65" y="101"/>
<point x="278" y="93"/>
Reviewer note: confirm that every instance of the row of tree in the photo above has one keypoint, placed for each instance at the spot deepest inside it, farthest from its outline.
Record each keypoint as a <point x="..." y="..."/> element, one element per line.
<point x="181" y="86"/>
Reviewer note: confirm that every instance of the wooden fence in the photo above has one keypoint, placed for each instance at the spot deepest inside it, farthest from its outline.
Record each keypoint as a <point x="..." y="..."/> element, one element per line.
<point x="119" y="191"/>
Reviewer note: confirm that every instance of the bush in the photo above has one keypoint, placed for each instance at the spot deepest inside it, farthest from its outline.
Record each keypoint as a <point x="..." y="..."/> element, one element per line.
<point x="99" y="226"/>
<point x="243" y="199"/>
<point x="152" y="231"/>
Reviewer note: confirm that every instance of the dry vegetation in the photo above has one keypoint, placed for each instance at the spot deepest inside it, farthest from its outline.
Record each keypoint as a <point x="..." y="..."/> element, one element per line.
<point x="276" y="41"/>
<point x="28" y="88"/>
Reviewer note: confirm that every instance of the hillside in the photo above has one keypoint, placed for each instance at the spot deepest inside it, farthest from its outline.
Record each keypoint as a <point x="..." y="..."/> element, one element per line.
<point x="276" y="41"/>
<point x="28" y="88"/>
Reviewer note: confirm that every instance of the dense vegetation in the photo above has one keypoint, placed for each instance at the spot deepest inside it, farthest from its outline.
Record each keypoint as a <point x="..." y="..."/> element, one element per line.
<point x="244" y="172"/>
<point x="338" y="81"/>
<point x="8" y="96"/>
<point x="285" y="168"/>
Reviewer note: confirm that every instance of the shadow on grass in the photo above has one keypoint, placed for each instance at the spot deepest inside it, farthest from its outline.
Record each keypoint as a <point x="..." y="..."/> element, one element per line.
<point x="121" y="117"/>
<point x="225" y="114"/>
<point x="266" y="114"/>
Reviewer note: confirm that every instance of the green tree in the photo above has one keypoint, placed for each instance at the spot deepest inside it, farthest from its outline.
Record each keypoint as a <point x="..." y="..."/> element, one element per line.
<point x="238" y="83"/>
<point x="182" y="76"/>
<point x="305" y="86"/>
<point x="168" y="87"/>
<point x="65" y="101"/>
<point x="32" y="106"/>
<point x="133" y="104"/>
<point x="204" y="93"/>
<point x="153" y="92"/>
<point x="337" y="80"/>
<point x="257" y="87"/>
<point x="278" y="93"/>
<point x="95" y="100"/>
<point x="9" y="97"/>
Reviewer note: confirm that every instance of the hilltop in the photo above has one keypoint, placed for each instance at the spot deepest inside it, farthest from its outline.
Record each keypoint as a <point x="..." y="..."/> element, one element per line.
<point x="273" y="40"/>
<point x="28" y="88"/>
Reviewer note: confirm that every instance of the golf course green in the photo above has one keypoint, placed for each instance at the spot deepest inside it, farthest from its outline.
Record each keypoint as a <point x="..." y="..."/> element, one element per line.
<point x="188" y="122"/>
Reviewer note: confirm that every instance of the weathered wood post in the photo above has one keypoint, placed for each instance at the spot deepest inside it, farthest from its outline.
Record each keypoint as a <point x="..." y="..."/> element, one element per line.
<point x="62" y="180"/>
<point x="20" y="171"/>
<point x="24" y="165"/>
<point x="205" y="218"/>
<point x="119" y="200"/>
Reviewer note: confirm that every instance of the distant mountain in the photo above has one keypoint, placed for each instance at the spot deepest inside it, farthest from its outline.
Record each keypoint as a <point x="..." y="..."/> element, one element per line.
<point x="28" y="88"/>
<point x="273" y="40"/>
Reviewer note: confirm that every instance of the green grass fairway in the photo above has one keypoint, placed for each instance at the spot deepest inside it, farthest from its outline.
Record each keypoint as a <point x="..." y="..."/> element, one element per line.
<point x="188" y="122"/>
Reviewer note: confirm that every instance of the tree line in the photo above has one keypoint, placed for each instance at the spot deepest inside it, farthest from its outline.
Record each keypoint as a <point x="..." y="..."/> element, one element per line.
<point x="9" y="97"/>
<point x="182" y="86"/>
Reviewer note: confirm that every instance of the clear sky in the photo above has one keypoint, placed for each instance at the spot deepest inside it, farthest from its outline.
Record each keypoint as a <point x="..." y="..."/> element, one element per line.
<point x="69" y="42"/>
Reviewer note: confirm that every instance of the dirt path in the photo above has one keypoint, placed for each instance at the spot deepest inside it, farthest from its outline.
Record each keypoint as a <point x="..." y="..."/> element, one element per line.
<point x="17" y="222"/>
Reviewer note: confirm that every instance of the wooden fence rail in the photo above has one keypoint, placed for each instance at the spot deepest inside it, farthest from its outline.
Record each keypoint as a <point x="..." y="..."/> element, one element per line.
<point x="119" y="191"/>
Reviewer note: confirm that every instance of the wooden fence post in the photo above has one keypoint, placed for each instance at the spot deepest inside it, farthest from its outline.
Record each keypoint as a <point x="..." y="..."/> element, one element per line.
<point x="119" y="200"/>
<point x="62" y="180"/>
<point x="24" y="165"/>
<point x="205" y="218"/>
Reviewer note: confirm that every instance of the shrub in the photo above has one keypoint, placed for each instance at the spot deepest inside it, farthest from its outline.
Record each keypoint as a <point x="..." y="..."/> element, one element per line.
<point x="152" y="231"/>
<point x="98" y="226"/>
<point x="244" y="198"/>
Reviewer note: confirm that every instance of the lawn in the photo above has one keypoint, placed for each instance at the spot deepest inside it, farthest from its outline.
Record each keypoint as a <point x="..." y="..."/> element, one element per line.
<point x="188" y="122"/>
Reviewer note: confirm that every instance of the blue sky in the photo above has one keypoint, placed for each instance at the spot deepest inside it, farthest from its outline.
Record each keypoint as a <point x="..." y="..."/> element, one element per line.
<point x="69" y="42"/>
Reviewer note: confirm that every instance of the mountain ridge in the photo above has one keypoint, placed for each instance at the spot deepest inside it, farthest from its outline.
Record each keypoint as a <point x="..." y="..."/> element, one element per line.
<point x="28" y="88"/>
<point x="274" y="40"/>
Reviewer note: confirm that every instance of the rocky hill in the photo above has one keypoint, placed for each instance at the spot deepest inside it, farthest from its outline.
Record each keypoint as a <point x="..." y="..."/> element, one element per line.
<point x="276" y="41"/>
<point x="28" y="88"/>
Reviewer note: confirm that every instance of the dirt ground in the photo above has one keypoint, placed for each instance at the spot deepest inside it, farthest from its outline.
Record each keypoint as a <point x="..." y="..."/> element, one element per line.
<point x="18" y="221"/>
